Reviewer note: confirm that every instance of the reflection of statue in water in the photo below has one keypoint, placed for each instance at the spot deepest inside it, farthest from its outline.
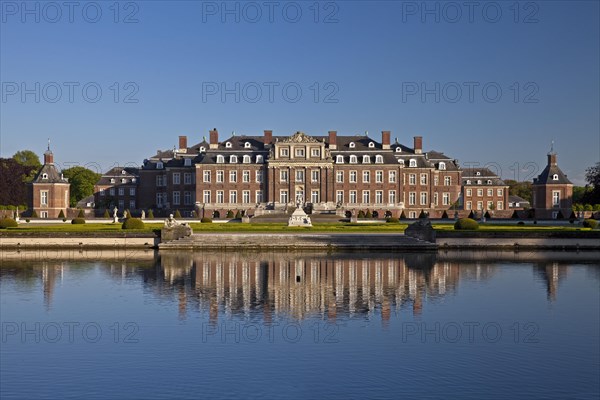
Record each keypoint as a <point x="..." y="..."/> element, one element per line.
<point x="171" y="222"/>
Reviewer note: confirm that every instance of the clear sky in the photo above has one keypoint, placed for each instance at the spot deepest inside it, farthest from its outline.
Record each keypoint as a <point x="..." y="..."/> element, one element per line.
<point x="486" y="82"/>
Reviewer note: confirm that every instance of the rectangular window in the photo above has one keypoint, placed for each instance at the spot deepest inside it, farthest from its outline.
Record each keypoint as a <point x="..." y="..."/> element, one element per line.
<point x="469" y="205"/>
<point x="259" y="196"/>
<point x="435" y="180"/>
<point x="469" y="192"/>
<point x="220" y="176"/>
<point x="447" y="181"/>
<point x="187" y="178"/>
<point x="206" y="176"/>
<point x="259" y="176"/>
<point x="132" y="204"/>
<point x="233" y="196"/>
<point x="423" y="198"/>
<point x="366" y="196"/>
<point x="352" y="176"/>
<point x="220" y="196"/>
<point x="490" y="192"/>
<point x="435" y="199"/>
<point x="412" y="214"/>
<point x="366" y="176"/>
<point x="446" y="199"/>
<point x="176" y="178"/>
<point x="412" y="198"/>
<point x="412" y="179"/>
<point x="555" y="198"/>
<point x="132" y="191"/>
<point x="283" y="175"/>
<point x="392" y="197"/>
<point x="314" y="196"/>
<point x="339" y="176"/>
<point x="121" y="204"/>
<point x="176" y="199"/>
<point x="232" y="176"/>
<point x="187" y="198"/>
<point x="314" y="175"/>
<point x="500" y="205"/>
<point x="101" y="192"/>
<point x="246" y="196"/>
<point x="161" y="180"/>
<point x="353" y="197"/>
<point x="339" y="196"/>
<point x="246" y="176"/>
<point x="44" y="197"/>
<point x="44" y="214"/>
<point x="392" y="176"/>
<point x="206" y="196"/>
<point x="159" y="199"/>
<point x="480" y="205"/>
<point x="315" y="152"/>
<point x="479" y="192"/>
<point x="379" y="196"/>
<point x="283" y="196"/>
<point x="500" y="192"/>
<point x="121" y="191"/>
<point x="299" y="152"/>
<point x="299" y="175"/>
<point x="285" y="152"/>
<point x="379" y="176"/>
<point x="490" y="204"/>
<point x="111" y="191"/>
<point x="423" y="179"/>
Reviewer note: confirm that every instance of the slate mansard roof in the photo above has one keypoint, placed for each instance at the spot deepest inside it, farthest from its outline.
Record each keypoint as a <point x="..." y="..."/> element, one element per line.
<point x="549" y="173"/>
<point x="481" y="176"/>
<point x="118" y="174"/>
<point x="49" y="174"/>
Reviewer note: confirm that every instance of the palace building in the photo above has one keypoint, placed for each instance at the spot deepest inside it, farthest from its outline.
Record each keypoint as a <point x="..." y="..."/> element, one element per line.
<point x="552" y="191"/>
<point x="49" y="190"/>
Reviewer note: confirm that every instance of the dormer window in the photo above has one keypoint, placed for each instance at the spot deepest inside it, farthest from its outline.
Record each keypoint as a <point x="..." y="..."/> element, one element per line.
<point x="468" y="181"/>
<point x="351" y="145"/>
<point x="398" y="149"/>
<point x="112" y="180"/>
<point x="489" y="182"/>
<point x="202" y="149"/>
<point x="401" y="161"/>
<point x="366" y="160"/>
<point x="220" y="159"/>
<point x="123" y="172"/>
<point x="339" y="159"/>
<point x="246" y="159"/>
<point x="442" y="166"/>
<point x="479" y="181"/>
<point x="123" y="180"/>
<point x="371" y="145"/>
<point x="412" y="162"/>
<point x="478" y="173"/>
<point x="133" y="180"/>
<point x="44" y="176"/>
<point x="187" y="162"/>
<point x="259" y="159"/>
<point x="555" y="177"/>
<point x="233" y="159"/>
<point x="247" y="145"/>
<point x="379" y="159"/>
<point x="159" y="165"/>
<point x="228" y="145"/>
<point x="353" y="159"/>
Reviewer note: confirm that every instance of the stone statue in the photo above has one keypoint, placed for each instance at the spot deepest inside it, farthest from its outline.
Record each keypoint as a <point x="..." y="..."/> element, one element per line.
<point x="124" y="214"/>
<point x="298" y="200"/>
<point x="115" y="212"/>
<point x="170" y="222"/>
<point x="143" y="214"/>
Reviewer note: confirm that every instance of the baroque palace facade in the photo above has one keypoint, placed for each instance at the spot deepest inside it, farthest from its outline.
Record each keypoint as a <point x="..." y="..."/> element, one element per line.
<point x="329" y="174"/>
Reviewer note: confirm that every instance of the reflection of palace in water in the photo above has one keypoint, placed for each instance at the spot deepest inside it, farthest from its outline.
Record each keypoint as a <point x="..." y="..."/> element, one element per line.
<point x="294" y="284"/>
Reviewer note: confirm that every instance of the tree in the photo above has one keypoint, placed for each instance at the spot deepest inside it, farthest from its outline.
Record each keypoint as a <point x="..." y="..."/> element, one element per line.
<point x="27" y="158"/>
<point x="13" y="175"/>
<point x="82" y="182"/>
<point x="592" y="176"/>
<point x="521" y="189"/>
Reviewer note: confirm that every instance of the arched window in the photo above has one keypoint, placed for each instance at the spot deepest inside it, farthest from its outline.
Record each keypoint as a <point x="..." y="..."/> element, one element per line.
<point x="555" y="177"/>
<point x="123" y="180"/>
<point x="132" y="180"/>
<point x="379" y="159"/>
<point x="247" y="145"/>
<point x="44" y="176"/>
<point x="412" y="162"/>
<point x="351" y="145"/>
<point x="259" y="159"/>
<point x="401" y="161"/>
<point x="339" y="159"/>
<point x="479" y="181"/>
<point x="228" y="145"/>
<point x="159" y="165"/>
<point x="233" y="159"/>
<point x="353" y="159"/>
<point x="366" y="160"/>
<point x="489" y="182"/>
<point x="468" y="181"/>
<point x="442" y="165"/>
<point x="220" y="159"/>
<point x="246" y="159"/>
<point x="371" y="145"/>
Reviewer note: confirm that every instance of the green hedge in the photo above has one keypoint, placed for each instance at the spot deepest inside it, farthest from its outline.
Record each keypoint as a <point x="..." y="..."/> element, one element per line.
<point x="206" y="220"/>
<point x="392" y="220"/>
<point x="8" y="223"/>
<point x="466" y="224"/>
<point x="133" y="223"/>
<point x="590" y="223"/>
<point x="77" y="221"/>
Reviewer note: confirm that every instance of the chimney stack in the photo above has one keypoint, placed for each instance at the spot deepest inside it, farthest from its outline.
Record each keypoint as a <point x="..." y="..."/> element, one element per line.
<point x="48" y="157"/>
<point x="418" y="145"/>
<point x="385" y="140"/>
<point x="214" y="139"/>
<point x="182" y="143"/>
<point x="268" y="138"/>
<point x="551" y="158"/>
<point x="333" y="140"/>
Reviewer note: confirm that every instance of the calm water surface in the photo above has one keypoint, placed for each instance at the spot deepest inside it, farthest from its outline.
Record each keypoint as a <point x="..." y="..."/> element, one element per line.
<point x="299" y="325"/>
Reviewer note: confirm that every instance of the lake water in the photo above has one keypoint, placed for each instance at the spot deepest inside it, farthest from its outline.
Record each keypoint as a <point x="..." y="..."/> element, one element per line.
<point x="466" y="325"/>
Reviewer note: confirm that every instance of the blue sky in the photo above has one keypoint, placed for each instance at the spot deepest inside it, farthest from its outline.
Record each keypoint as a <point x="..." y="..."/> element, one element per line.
<point x="485" y="82"/>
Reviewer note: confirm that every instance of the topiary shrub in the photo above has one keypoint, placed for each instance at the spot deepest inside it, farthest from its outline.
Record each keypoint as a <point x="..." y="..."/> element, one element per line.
<point x="392" y="220"/>
<point x="34" y="214"/>
<point x="238" y="215"/>
<point x="515" y="215"/>
<point x="361" y="214"/>
<point x="520" y="223"/>
<point x="422" y="214"/>
<point x="487" y="215"/>
<point x="572" y="217"/>
<point x="229" y="214"/>
<point x="150" y="214"/>
<point x="445" y="215"/>
<point x="402" y="215"/>
<point x="61" y="214"/>
<point x="81" y="214"/>
<point x="8" y="223"/>
<point x="76" y="221"/>
<point x="590" y="223"/>
<point x="133" y="223"/>
<point x="466" y="224"/>
<point x="177" y="214"/>
<point x="560" y="215"/>
<point x="368" y="214"/>
<point x="206" y="220"/>
<point x="471" y="214"/>
<point x="106" y="214"/>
